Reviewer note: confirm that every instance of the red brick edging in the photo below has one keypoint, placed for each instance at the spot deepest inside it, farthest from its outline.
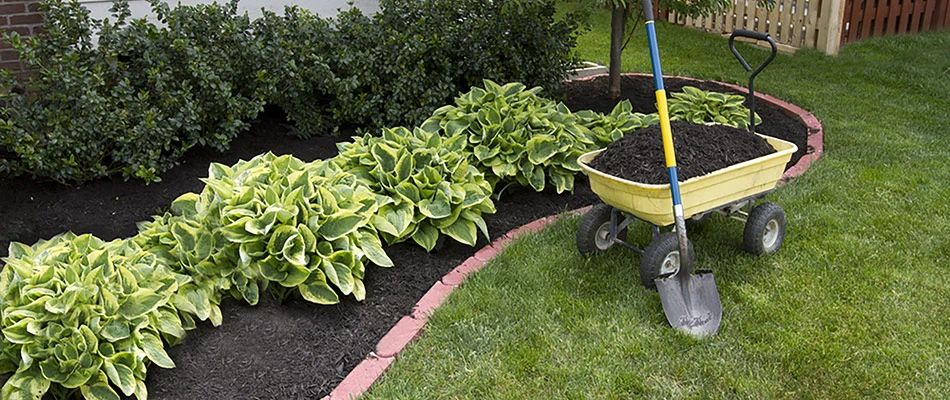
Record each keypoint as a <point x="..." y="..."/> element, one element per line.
<point x="408" y="328"/>
<point x="359" y="380"/>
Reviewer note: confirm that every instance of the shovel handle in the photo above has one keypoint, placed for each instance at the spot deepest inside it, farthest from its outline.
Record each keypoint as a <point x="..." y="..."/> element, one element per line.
<point x="686" y="262"/>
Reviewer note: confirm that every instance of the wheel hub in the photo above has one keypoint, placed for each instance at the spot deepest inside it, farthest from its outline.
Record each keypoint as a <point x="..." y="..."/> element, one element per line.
<point x="671" y="263"/>
<point x="602" y="238"/>
<point x="771" y="234"/>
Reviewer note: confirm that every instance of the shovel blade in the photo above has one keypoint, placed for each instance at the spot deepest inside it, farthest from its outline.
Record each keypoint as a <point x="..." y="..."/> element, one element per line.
<point x="691" y="302"/>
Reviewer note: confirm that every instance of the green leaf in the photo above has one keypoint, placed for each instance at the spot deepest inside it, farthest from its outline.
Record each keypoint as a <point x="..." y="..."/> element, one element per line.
<point x="99" y="391"/>
<point x="309" y="239"/>
<point x="28" y="384"/>
<point x="272" y="269"/>
<point x="261" y="225"/>
<point x="541" y="148"/>
<point x="121" y="376"/>
<point x="296" y="274"/>
<point x="279" y="239"/>
<point x="114" y="331"/>
<point x="457" y="127"/>
<point x="537" y="179"/>
<point x="404" y="167"/>
<point x="219" y="171"/>
<point x="338" y="268"/>
<point x="399" y="216"/>
<point x="437" y="207"/>
<point x="169" y="323"/>
<point x="340" y="224"/>
<point x="373" y="248"/>
<point x="184" y="235"/>
<point x="236" y="233"/>
<point x="385" y="155"/>
<point x="294" y="251"/>
<point x="155" y="350"/>
<point x="316" y="290"/>
<point x="483" y="153"/>
<point x="359" y="291"/>
<point x="408" y="192"/>
<point x="463" y="231"/>
<point x="140" y="303"/>
<point x="426" y="236"/>
<point x="185" y="205"/>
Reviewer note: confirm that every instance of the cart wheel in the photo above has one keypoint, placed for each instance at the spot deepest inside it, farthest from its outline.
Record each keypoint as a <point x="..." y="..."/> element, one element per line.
<point x="593" y="233"/>
<point x="661" y="257"/>
<point x="764" y="229"/>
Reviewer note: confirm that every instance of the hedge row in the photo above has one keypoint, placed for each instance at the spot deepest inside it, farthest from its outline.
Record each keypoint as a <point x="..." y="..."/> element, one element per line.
<point x="129" y="96"/>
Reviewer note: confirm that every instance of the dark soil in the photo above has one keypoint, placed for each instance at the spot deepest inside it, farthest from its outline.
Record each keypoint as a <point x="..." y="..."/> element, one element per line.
<point x="295" y="350"/>
<point x="639" y="90"/>
<point x="699" y="150"/>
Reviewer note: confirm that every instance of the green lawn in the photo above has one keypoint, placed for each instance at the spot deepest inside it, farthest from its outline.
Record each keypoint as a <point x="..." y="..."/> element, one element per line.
<point x="855" y="305"/>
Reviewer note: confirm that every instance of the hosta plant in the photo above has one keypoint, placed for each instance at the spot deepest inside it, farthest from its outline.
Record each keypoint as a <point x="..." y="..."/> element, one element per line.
<point x="608" y="128"/>
<point x="78" y="312"/>
<point x="703" y="107"/>
<point x="432" y="187"/>
<point x="273" y="221"/>
<point x="513" y="135"/>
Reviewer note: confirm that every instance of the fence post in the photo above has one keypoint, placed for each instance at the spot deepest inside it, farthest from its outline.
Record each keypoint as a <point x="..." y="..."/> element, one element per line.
<point x="830" y="25"/>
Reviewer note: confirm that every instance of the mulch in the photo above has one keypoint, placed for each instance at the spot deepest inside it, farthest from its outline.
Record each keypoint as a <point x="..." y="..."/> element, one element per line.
<point x="295" y="350"/>
<point x="699" y="150"/>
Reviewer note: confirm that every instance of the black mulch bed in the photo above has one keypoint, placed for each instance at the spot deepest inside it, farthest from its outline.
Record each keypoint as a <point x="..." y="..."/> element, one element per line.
<point x="700" y="149"/>
<point x="295" y="350"/>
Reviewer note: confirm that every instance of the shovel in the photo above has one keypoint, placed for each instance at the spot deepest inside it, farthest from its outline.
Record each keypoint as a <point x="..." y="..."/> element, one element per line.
<point x="690" y="301"/>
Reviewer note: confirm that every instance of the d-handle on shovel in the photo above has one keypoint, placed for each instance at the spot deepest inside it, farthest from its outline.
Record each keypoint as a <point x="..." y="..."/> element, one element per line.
<point x="691" y="302"/>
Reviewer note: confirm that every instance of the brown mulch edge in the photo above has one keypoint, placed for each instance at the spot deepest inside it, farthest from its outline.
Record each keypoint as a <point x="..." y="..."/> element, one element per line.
<point x="364" y="375"/>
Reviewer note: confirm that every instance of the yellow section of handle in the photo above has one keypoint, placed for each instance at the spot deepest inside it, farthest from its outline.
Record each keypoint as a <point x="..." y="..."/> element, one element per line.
<point x="665" y="129"/>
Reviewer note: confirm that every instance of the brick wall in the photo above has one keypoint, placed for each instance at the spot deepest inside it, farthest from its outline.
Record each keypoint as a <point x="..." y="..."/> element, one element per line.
<point x="24" y="17"/>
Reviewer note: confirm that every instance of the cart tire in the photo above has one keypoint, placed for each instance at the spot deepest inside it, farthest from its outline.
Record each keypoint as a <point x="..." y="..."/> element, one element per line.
<point x="764" y="229"/>
<point x="594" y="229"/>
<point x="661" y="257"/>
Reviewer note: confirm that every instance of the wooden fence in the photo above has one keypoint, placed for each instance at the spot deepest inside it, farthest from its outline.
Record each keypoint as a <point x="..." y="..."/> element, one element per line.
<point x="825" y="24"/>
<point x="867" y="18"/>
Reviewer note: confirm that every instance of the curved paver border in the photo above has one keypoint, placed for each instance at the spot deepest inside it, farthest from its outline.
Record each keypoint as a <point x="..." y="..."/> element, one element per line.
<point x="408" y="328"/>
<point x="364" y="375"/>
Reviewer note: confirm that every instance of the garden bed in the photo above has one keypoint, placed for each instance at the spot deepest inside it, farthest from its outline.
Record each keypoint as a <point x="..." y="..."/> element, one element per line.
<point x="297" y="349"/>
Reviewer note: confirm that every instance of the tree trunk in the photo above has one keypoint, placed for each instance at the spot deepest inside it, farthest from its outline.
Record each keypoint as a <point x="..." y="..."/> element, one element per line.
<point x="618" y="22"/>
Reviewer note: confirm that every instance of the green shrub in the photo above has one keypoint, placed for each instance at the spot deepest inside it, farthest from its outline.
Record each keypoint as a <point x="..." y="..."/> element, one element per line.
<point x="387" y="76"/>
<point x="78" y="312"/>
<point x="608" y="128"/>
<point x="134" y="103"/>
<point x="80" y="119"/>
<point x="432" y="187"/>
<point x="702" y="107"/>
<point x="294" y="64"/>
<point x="207" y="48"/>
<point x="272" y="220"/>
<point x="512" y="135"/>
<point x="505" y="41"/>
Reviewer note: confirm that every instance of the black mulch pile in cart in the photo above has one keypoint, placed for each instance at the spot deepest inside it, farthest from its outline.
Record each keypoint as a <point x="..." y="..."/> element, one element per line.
<point x="294" y="350"/>
<point x="699" y="150"/>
